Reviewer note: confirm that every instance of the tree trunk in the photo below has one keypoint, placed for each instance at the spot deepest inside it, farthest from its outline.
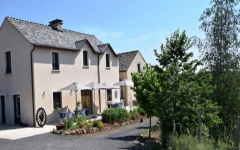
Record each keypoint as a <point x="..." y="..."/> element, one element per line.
<point x="150" y="128"/>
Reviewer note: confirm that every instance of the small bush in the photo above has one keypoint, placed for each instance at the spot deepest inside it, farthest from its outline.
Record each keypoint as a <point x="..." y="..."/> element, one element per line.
<point x="100" y="125"/>
<point x="141" y="111"/>
<point x="114" y="114"/>
<point x="81" y="121"/>
<point x="95" y="123"/>
<point x="133" y="111"/>
<point x="89" y="125"/>
<point x="69" y="123"/>
<point x="133" y="117"/>
<point x="188" y="142"/>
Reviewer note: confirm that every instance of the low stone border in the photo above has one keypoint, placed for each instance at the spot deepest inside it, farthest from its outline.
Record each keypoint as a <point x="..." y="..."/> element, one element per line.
<point x="84" y="131"/>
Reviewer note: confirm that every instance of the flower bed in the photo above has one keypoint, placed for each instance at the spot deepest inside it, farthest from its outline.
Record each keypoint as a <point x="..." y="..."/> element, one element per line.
<point x="83" y="127"/>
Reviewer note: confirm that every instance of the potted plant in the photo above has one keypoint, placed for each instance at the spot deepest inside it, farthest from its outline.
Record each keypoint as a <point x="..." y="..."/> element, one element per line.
<point x="109" y="97"/>
<point x="78" y="104"/>
<point x="57" y="106"/>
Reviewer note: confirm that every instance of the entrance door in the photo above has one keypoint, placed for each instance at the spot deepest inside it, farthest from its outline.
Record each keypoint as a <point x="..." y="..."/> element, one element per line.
<point x="17" y="113"/>
<point x="3" y="109"/>
<point x="86" y="98"/>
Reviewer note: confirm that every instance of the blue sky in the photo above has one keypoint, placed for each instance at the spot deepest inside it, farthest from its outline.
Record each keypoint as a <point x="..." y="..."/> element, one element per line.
<point x="126" y="24"/>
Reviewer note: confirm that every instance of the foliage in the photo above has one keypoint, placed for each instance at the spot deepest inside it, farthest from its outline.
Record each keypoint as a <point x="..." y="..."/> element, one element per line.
<point x="184" y="91"/>
<point x="95" y="123"/>
<point x="69" y="123"/>
<point x="220" y="51"/>
<point x="147" y="87"/>
<point x="89" y="124"/>
<point x="78" y="104"/>
<point x="141" y="111"/>
<point x="189" y="142"/>
<point x="100" y="125"/>
<point x="81" y="120"/>
<point x="114" y="114"/>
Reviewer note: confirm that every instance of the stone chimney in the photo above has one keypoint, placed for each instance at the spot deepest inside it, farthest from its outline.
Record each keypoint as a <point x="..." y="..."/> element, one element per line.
<point x="56" y="24"/>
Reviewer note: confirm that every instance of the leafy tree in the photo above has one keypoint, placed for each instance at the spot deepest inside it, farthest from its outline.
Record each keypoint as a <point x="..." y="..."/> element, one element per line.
<point x="184" y="92"/>
<point x="220" y="50"/>
<point x="146" y="86"/>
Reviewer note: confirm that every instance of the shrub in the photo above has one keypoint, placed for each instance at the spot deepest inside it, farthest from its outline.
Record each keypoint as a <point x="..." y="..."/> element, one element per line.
<point x="100" y="125"/>
<point x="141" y="111"/>
<point x="133" y="117"/>
<point x="114" y="114"/>
<point x="81" y="120"/>
<point x="133" y="111"/>
<point x="69" y="123"/>
<point x="188" y="142"/>
<point x="89" y="124"/>
<point x="95" y="123"/>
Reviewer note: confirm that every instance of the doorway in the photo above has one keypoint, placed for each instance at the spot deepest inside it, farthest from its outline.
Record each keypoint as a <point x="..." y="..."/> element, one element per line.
<point x="86" y="99"/>
<point x="17" y="112"/>
<point x="3" y="109"/>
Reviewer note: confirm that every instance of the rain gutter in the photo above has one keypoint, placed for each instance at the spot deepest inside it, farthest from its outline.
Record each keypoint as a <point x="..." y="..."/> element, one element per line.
<point x="33" y="95"/>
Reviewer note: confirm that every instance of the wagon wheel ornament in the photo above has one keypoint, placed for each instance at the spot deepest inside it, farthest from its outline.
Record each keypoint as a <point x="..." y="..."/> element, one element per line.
<point x="41" y="117"/>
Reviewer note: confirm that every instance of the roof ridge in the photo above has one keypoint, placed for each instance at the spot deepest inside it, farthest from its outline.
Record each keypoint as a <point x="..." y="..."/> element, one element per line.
<point x="20" y="20"/>
<point x="129" y="52"/>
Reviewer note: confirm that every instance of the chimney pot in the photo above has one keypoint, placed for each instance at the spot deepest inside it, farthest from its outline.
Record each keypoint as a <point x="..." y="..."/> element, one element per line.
<point x="56" y="24"/>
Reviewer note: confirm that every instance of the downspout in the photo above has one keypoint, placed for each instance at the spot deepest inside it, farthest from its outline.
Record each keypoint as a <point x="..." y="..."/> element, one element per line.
<point x="99" y="94"/>
<point x="33" y="95"/>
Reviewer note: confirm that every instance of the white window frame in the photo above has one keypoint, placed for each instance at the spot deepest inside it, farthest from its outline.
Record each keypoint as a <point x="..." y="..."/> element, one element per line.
<point x="59" y="60"/>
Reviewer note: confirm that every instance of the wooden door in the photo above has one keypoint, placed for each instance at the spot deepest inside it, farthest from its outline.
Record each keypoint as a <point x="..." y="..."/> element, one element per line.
<point x="86" y="98"/>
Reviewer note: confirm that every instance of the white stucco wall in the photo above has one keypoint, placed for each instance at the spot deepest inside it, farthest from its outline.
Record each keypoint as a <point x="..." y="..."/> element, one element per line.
<point x="19" y="81"/>
<point x="47" y="81"/>
<point x="71" y="70"/>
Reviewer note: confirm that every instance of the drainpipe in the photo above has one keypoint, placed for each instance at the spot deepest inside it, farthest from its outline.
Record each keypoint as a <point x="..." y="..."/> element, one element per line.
<point x="99" y="94"/>
<point x="33" y="100"/>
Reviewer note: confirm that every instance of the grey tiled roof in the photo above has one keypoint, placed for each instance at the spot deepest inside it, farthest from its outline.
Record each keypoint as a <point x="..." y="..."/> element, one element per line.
<point x="102" y="47"/>
<point x="44" y="35"/>
<point x="125" y="59"/>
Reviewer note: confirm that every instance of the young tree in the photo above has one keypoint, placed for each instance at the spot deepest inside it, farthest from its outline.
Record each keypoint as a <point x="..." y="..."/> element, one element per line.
<point x="220" y="51"/>
<point x="184" y="91"/>
<point x="146" y="86"/>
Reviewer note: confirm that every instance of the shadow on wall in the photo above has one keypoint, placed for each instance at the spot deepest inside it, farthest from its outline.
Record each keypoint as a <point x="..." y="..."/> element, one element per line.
<point x="114" y="61"/>
<point x="54" y="116"/>
<point x="95" y="108"/>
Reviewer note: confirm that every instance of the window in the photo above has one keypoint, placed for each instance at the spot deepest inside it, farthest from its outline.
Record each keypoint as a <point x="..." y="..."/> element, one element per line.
<point x="57" y="100"/>
<point x="8" y="62"/>
<point x="139" y="68"/>
<point x="85" y="58"/>
<point x="109" y="95"/>
<point x="107" y="60"/>
<point x="55" y="61"/>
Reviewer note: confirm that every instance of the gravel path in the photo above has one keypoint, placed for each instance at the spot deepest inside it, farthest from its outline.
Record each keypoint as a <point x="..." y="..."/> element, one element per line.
<point x="117" y="139"/>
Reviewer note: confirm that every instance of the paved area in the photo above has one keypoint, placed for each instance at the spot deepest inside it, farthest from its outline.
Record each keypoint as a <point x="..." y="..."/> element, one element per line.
<point x="111" y="140"/>
<point x="16" y="132"/>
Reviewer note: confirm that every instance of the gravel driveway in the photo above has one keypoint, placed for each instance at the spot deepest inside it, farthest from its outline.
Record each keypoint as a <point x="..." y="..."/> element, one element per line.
<point x="117" y="139"/>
